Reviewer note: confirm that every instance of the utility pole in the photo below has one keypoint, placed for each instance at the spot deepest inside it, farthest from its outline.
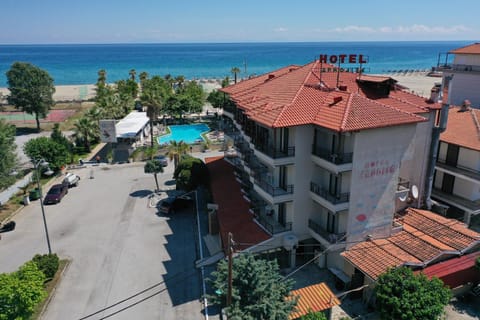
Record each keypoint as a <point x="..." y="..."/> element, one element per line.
<point x="230" y="265"/>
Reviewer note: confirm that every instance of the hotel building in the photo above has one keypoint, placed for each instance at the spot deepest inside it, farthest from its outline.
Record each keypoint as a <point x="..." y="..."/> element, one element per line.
<point x="327" y="158"/>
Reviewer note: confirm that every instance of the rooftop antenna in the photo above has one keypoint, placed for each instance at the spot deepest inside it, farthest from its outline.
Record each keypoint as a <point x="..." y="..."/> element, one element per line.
<point x="245" y="66"/>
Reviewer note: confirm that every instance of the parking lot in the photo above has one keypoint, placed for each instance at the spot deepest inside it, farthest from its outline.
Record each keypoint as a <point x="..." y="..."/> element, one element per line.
<point x="126" y="261"/>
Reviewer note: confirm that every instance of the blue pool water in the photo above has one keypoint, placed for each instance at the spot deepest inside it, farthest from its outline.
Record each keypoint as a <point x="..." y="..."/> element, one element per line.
<point x="189" y="133"/>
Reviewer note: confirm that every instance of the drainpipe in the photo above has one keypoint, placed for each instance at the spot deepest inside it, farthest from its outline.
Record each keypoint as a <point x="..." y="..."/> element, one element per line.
<point x="436" y="131"/>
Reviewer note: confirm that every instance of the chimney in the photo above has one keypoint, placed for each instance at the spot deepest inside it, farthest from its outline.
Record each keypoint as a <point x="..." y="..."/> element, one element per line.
<point x="271" y="76"/>
<point x="336" y="100"/>
<point x="466" y="105"/>
<point x="434" y="94"/>
<point x="342" y="88"/>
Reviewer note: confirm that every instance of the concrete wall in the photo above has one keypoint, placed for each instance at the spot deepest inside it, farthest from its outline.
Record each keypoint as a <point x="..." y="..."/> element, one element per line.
<point x="377" y="157"/>
<point x="301" y="177"/>
<point x="464" y="86"/>
<point x="468" y="158"/>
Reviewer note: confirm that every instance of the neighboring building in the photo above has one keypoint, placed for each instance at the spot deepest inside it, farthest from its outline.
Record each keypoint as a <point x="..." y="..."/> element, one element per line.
<point x="421" y="239"/>
<point x="327" y="158"/>
<point x="457" y="176"/>
<point x="462" y="76"/>
<point x="131" y="131"/>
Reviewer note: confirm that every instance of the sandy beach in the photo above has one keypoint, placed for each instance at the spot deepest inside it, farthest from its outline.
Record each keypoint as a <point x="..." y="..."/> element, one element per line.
<point x="417" y="82"/>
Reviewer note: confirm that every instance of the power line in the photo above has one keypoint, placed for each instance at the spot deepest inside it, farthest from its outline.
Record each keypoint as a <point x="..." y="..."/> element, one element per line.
<point x="141" y="292"/>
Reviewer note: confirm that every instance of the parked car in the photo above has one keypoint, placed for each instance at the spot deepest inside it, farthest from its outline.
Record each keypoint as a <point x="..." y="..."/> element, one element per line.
<point x="71" y="180"/>
<point x="56" y="193"/>
<point x="162" y="159"/>
<point x="172" y="204"/>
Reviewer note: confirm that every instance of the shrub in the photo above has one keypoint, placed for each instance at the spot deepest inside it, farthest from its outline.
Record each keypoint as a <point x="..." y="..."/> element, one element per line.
<point x="47" y="263"/>
<point x="190" y="173"/>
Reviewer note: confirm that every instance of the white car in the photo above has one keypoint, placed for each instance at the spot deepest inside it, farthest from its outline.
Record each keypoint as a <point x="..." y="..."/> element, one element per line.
<point x="71" y="179"/>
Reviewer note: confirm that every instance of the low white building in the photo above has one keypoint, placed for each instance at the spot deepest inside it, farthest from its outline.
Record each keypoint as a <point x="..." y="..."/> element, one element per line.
<point x="462" y="76"/>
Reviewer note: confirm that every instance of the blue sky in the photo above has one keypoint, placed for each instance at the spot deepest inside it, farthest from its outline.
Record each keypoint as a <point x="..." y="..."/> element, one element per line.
<point x="157" y="21"/>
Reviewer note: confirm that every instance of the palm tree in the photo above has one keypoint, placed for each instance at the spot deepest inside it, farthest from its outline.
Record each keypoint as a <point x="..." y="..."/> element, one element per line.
<point x="175" y="150"/>
<point x="235" y="71"/>
<point x="180" y="80"/>
<point x="132" y="74"/>
<point x="85" y="129"/>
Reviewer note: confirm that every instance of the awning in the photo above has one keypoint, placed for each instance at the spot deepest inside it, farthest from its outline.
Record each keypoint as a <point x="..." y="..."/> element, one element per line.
<point x="317" y="297"/>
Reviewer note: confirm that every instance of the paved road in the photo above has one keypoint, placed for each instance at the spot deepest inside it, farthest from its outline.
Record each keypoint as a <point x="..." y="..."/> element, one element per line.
<point x="118" y="247"/>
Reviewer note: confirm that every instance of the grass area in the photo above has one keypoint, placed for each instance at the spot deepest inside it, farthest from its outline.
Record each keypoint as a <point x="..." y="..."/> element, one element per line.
<point x="50" y="286"/>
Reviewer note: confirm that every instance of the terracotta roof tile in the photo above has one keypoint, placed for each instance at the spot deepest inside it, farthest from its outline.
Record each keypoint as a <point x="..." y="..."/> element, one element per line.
<point x="294" y="96"/>
<point x="470" y="49"/>
<point x="317" y="297"/>
<point x="463" y="128"/>
<point x="233" y="210"/>
<point x="425" y="237"/>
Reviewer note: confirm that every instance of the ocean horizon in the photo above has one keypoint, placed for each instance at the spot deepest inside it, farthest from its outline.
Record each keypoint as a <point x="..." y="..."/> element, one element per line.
<point x="78" y="64"/>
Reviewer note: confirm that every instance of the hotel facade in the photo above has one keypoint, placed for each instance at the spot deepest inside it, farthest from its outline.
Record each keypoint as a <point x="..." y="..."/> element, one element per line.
<point x="327" y="158"/>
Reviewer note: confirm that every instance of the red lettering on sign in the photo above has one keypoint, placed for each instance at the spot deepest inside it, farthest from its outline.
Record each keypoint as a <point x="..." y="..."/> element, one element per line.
<point x="361" y="59"/>
<point x="342" y="58"/>
<point x="352" y="58"/>
<point x="323" y="58"/>
<point x="333" y="59"/>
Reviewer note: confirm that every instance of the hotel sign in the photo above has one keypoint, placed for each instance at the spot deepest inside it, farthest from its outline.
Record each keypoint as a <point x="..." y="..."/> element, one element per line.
<point x="343" y="58"/>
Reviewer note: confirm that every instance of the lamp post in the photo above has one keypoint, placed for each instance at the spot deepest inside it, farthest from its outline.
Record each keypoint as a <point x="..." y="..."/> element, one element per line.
<point x="37" y="165"/>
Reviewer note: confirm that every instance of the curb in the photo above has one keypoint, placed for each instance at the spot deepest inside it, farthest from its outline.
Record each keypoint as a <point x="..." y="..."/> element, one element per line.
<point x="52" y="294"/>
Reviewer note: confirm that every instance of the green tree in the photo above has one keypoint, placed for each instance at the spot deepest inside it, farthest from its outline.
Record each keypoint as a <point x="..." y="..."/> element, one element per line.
<point x="21" y="291"/>
<point x="31" y="89"/>
<point x="85" y="130"/>
<point x="59" y="138"/>
<point x="235" y="71"/>
<point x="225" y="82"/>
<point x="176" y="150"/>
<point x="401" y="294"/>
<point x="8" y="158"/>
<point x="155" y="167"/>
<point x="193" y="96"/>
<point x="191" y="173"/>
<point x="155" y="92"/>
<point x="258" y="290"/>
<point x="132" y="74"/>
<point x="46" y="148"/>
<point x="47" y="263"/>
<point x="216" y="98"/>
<point x="312" y="315"/>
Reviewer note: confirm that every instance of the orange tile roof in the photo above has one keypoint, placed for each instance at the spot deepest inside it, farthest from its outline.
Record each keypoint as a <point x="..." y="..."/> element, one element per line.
<point x="317" y="297"/>
<point x="470" y="49"/>
<point x="463" y="128"/>
<point x="425" y="238"/>
<point x="233" y="210"/>
<point x="294" y="96"/>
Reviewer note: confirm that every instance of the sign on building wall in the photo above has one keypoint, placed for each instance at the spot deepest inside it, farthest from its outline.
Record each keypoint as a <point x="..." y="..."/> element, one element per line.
<point x="377" y="158"/>
<point x="107" y="131"/>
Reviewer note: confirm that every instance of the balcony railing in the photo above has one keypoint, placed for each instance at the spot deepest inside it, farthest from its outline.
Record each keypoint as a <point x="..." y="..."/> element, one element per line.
<point x="322" y="192"/>
<point x="273" y="190"/>
<point x="273" y="226"/>
<point x="468" y="172"/>
<point x="329" y="236"/>
<point x="336" y="158"/>
<point x="276" y="153"/>
<point x="458" y="67"/>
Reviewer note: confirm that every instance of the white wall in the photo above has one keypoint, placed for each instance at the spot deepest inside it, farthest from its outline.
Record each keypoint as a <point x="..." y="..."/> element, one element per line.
<point x="372" y="196"/>
<point x="301" y="177"/>
<point x="468" y="158"/>
<point x="464" y="86"/>
<point x="468" y="59"/>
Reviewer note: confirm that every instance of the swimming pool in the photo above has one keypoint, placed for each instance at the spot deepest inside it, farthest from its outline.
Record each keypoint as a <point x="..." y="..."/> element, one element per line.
<point x="189" y="133"/>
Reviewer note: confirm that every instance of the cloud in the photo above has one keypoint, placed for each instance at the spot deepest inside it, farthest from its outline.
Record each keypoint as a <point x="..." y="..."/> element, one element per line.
<point x="280" y="29"/>
<point x="413" y="29"/>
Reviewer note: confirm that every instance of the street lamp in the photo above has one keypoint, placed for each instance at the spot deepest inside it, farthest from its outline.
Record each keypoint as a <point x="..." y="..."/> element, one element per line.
<point x="41" y="163"/>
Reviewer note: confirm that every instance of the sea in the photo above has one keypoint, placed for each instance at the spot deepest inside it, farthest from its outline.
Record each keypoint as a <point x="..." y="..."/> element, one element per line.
<point x="73" y="64"/>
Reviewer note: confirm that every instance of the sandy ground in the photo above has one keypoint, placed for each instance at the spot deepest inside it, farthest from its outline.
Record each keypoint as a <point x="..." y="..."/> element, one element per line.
<point x="417" y="82"/>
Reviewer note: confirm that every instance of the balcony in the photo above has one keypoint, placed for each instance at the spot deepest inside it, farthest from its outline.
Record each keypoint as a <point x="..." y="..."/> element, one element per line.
<point x="325" y="194"/>
<point x="338" y="158"/>
<point x="271" y="225"/>
<point x="458" y="68"/>
<point x="458" y="171"/>
<point x="403" y="185"/>
<point x="332" y="238"/>
<point x="276" y="153"/>
<point x="273" y="190"/>
<point x="472" y="206"/>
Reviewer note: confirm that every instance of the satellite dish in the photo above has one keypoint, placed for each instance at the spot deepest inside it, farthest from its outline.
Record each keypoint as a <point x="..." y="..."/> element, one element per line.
<point x="414" y="192"/>
<point x="403" y="197"/>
